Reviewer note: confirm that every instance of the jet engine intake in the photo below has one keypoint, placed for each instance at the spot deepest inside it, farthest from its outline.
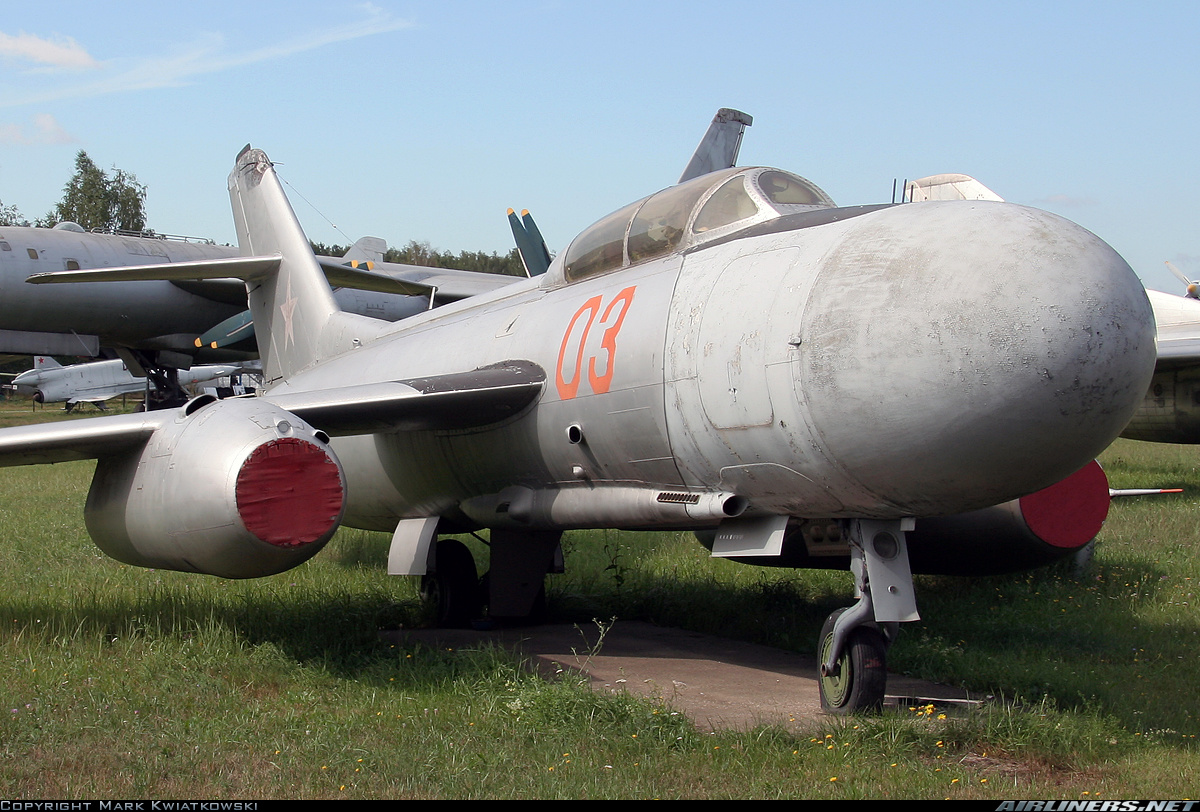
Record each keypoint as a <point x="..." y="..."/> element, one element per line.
<point x="264" y="499"/>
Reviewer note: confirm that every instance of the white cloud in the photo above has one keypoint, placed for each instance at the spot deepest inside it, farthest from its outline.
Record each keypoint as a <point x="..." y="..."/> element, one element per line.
<point x="45" y="130"/>
<point x="205" y="56"/>
<point x="60" y="52"/>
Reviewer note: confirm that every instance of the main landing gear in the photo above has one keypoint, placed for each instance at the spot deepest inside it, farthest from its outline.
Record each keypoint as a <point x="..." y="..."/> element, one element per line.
<point x="161" y="371"/>
<point x="452" y="587"/>
<point x="854" y="641"/>
<point x="513" y="588"/>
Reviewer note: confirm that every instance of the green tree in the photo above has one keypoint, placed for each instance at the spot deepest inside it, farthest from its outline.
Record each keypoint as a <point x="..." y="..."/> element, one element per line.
<point x="99" y="201"/>
<point x="421" y="253"/>
<point x="323" y="250"/>
<point x="10" y="216"/>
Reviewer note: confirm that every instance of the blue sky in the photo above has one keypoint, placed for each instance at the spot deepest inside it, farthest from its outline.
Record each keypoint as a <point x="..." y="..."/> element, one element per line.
<point x="426" y="120"/>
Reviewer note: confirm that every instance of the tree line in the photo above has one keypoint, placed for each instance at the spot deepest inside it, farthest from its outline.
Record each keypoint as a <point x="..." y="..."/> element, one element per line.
<point x="421" y="253"/>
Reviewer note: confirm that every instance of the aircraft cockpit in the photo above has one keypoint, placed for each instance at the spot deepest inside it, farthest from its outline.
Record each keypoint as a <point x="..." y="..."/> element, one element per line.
<point x="690" y="214"/>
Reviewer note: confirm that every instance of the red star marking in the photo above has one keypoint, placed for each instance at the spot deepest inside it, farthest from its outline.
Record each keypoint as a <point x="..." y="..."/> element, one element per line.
<point x="287" y="309"/>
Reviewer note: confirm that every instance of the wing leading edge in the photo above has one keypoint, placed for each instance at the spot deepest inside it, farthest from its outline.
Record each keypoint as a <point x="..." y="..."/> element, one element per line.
<point x="71" y="440"/>
<point x="442" y="402"/>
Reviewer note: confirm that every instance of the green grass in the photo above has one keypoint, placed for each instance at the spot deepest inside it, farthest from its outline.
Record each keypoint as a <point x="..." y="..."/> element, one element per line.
<point x="122" y="682"/>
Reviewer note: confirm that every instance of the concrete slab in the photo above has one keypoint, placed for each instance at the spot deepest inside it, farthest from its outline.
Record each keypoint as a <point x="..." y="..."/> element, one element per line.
<point x="718" y="683"/>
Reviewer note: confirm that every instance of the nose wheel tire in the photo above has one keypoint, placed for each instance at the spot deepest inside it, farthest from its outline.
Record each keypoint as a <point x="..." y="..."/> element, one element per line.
<point x="861" y="675"/>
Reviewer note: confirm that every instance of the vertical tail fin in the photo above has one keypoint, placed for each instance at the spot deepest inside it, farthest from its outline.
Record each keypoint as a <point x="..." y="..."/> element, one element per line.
<point x="45" y="362"/>
<point x="366" y="250"/>
<point x="296" y="319"/>
<point x="719" y="147"/>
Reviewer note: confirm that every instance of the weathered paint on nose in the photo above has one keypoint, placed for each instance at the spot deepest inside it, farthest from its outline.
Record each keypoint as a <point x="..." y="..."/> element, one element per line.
<point x="975" y="351"/>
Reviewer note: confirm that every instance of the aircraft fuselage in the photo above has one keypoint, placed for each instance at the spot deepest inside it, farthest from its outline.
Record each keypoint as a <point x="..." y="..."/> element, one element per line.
<point x="79" y="318"/>
<point x="910" y="360"/>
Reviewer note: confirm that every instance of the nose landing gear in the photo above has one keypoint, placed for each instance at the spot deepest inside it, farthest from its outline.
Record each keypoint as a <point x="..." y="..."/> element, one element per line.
<point x="854" y="641"/>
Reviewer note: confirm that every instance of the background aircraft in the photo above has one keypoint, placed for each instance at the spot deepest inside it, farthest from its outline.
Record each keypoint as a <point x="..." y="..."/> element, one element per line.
<point x="154" y="324"/>
<point x="733" y="355"/>
<point x="51" y="382"/>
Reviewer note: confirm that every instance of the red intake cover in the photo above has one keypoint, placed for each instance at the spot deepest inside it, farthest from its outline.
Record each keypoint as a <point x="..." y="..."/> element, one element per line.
<point x="289" y="492"/>
<point x="1070" y="513"/>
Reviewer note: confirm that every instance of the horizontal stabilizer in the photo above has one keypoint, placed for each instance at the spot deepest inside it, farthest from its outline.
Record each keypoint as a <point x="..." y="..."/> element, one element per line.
<point x="449" y="284"/>
<point x="200" y="277"/>
<point x="71" y="440"/>
<point x="232" y="267"/>
<point x="344" y="276"/>
<point x="246" y="268"/>
<point x="442" y="402"/>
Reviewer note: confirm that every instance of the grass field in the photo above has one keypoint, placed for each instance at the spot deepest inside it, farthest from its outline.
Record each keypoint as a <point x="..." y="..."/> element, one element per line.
<point x="117" y="682"/>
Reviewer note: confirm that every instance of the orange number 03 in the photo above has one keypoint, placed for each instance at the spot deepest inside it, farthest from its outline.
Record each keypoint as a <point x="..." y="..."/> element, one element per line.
<point x="600" y="382"/>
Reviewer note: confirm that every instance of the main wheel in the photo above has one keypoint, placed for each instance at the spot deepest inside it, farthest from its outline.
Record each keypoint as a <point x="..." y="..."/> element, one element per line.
<point x="452" y="589"/>
<point x="861" y="677"/>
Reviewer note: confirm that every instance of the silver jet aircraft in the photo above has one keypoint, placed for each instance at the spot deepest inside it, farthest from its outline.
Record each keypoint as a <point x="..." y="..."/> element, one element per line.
<point x="801" y="384"/>
<point x="96" y="382"/>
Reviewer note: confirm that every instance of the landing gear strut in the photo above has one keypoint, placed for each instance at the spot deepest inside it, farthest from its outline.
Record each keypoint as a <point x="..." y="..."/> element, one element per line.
<point x="854" y="641"/>
<point x="166" y="391"/>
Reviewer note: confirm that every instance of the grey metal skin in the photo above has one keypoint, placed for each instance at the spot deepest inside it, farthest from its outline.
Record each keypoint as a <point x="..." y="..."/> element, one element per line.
<point x="911" y="361"/>
<point x="155" y="314"/>
<point x="865" y="365"/>
<point x="1170" y="411"/>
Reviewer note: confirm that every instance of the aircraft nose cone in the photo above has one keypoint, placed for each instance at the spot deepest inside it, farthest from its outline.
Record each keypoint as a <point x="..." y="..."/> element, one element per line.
<point x="990" y="348"/>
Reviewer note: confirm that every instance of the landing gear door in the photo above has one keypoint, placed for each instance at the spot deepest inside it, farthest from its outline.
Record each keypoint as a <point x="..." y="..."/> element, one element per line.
<point x="411" y="543"/>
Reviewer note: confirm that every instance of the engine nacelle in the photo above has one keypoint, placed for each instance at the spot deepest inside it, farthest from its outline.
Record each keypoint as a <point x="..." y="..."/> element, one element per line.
<point x="1029" y="532"/>
<point x="237" y="488"/>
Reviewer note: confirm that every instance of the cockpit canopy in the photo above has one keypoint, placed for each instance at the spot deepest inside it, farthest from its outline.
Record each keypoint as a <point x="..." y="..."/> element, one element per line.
<point x="690" y="214"/>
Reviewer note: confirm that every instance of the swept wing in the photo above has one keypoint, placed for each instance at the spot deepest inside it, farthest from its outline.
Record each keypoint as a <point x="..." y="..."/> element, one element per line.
<point x="454" y="401"/>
